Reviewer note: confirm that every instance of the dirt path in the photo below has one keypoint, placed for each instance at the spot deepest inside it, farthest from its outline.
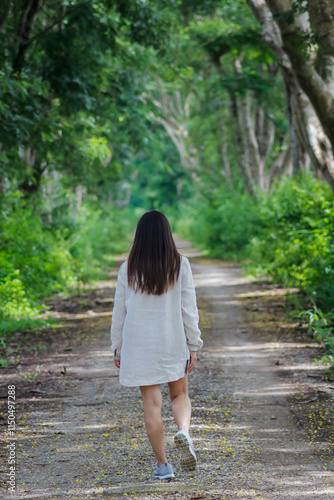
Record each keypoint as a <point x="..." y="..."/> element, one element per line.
<point x="81" y="435"/>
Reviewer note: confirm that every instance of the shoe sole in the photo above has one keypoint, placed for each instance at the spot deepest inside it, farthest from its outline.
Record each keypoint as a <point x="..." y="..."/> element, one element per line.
<point x="188" y="459"/>
<point x="167" y="476"/>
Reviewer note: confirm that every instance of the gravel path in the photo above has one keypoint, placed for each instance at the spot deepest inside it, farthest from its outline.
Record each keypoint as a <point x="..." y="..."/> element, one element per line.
<point x="81" y="435"/>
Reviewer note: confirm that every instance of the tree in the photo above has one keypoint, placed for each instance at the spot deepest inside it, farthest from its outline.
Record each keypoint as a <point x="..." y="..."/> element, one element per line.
<point x="71" y="74"/>
<point x="247" y="71"/>
<point x="306" y="63"/>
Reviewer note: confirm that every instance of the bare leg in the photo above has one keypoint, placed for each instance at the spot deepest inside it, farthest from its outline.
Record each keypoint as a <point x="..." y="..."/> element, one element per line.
<point x="152" y="400"/>
<point x="181" y="406"/>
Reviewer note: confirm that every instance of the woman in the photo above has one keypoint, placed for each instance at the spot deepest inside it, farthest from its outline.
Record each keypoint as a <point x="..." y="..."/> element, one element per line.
<point x="155" y="334"/>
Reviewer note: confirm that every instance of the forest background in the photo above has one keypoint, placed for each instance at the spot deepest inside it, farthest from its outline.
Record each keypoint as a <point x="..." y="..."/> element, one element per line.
<point x="218" y="113"/>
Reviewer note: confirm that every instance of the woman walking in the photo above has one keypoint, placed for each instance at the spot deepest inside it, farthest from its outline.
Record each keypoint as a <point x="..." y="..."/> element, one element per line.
<point x="155" y="334"/>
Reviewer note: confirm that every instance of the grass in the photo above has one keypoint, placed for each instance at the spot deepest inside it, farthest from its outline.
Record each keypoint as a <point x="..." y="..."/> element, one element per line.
<point x="8" y="327"/>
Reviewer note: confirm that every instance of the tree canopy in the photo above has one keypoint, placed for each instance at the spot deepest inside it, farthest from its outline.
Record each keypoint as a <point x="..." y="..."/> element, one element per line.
<point x="88" y="88"/>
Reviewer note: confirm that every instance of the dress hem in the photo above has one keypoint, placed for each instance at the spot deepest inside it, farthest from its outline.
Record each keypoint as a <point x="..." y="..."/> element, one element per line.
<point x="153" y="383"/>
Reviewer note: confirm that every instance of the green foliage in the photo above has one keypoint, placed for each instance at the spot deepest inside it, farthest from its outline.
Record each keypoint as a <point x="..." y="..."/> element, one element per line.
<point x="295" y="244"/>
<point x="33" y="264"/>
<point x="38" y="260"/>
<point x="222" y="223"/>
<point x="34" y="375"/>
<point x="13" y="298"/>
<point x="100" y="235"/>
<point x="9" y="325"/>
<point x="295" y="247"/>
<point x="322" y="328"/>
<point x="71" y="78"/>
<point x="160" y="180"/>
<point x="287" y="235"/>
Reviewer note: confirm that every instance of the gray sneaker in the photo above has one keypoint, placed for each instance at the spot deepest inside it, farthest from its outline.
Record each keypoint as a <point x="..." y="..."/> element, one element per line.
<point x="185" y="446"/>
<point x="165" y="471"/>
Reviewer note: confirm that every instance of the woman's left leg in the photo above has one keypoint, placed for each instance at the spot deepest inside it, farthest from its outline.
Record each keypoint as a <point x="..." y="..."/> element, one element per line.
<point x="181" y="406"/>
<point x="152" y="401"/>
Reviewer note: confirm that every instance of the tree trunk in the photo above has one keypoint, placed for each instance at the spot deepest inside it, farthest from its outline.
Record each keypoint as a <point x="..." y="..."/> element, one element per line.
<point x="227" y="168"/>
<point x="32" y="181"/>
<point x="241" y="146"/>
<point x="281" y="166"/>
<point x="305" y="126"/>
<point x="175" y="114"/>
<point x="5" y="9"/>
<point x="28" y="14"/>
<point x="295" y="44"/>
<point x="313" y="139"/>
<point x="254" y="159"/>
<point x="322" y="18"/>
<point x="295" y="143"/>
<point x="265" y="133"/>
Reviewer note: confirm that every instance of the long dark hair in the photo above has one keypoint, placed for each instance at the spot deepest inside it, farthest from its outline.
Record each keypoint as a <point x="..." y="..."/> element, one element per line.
<point x="154" y="262"/>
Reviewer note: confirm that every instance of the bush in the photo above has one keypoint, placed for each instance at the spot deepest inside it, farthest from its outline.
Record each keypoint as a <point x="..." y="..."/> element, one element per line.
<point x="101" y="235"/>
<point x="38" y="260"/>
<point x="13" y="299"/>
<point x="43" y="261"/>
<point x="222" y="224"/>
<point x="288" y="235"/>
<point x="295" y="240"/>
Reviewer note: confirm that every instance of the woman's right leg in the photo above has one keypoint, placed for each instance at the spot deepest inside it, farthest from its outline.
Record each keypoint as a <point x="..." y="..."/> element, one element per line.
<point x="181" y="406"/>
<point x="152" y="401"/>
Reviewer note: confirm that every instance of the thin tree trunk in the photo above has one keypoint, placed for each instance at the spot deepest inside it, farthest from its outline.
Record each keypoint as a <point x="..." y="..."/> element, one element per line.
<point x="264" y="132"/>
<point x="255" y="163"/>
<point x="240" y="146"/>
<point x="28" y="14"/>
<point x="295" y="144"/>
<point x="32" y="182"/>
<point x="280" y="167"/>
<point x="227" y="168"/>
<point x="5" y="8"/>
<point x="223" y="154"/>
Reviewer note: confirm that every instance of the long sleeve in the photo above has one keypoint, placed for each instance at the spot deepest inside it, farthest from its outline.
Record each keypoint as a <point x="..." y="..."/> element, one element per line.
<point x="189" y="309"/>
<point x="119" y="311"/>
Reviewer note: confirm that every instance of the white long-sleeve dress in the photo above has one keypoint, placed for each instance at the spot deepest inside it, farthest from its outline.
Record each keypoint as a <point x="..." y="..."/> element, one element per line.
<point x="154" y="333"/>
